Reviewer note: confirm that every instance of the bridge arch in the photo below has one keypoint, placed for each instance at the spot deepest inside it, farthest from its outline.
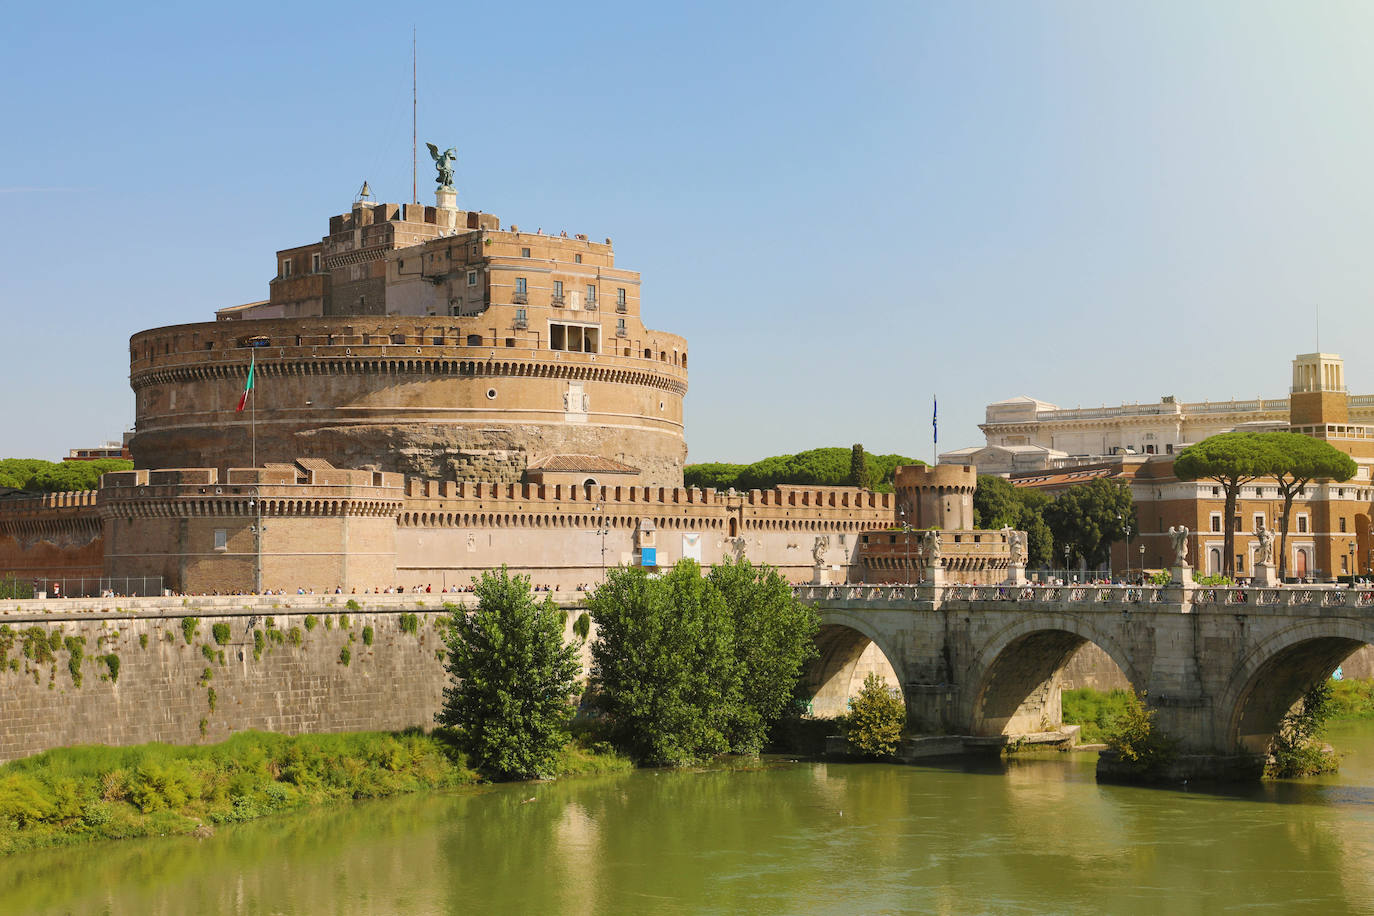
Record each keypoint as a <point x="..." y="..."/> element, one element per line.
<point x="848" y="648"/>
<point x="1015" y="677"/>
<point x="1277" y="671"/>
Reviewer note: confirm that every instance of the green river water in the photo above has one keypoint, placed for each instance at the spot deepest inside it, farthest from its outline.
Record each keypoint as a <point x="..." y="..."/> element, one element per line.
<point x="1025" y="835"/>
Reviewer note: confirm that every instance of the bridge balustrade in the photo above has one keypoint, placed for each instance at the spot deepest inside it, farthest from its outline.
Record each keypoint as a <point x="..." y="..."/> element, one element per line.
<point x="1334" y="598"/>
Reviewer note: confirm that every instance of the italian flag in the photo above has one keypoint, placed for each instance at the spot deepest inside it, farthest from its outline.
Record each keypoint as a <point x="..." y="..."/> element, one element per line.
<point x="243" y="399"/>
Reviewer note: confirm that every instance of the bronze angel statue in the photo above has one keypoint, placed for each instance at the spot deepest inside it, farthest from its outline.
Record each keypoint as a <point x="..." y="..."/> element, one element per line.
<point x="444" y="163"/>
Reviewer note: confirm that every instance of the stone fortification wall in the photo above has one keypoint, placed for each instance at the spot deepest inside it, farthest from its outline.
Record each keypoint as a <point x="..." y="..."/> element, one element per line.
<point x="52" y="536"/>
<point x="362" y="530"/>
<point x="429" y="396"/>
<point x="274" y="671"/>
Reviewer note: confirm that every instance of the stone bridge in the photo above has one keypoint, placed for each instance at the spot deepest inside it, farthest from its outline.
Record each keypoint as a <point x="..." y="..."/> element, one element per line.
<point x="1220" y="665"/>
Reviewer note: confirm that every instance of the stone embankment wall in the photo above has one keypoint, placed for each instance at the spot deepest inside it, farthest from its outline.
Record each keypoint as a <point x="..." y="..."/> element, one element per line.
<point x="276" y="668"/>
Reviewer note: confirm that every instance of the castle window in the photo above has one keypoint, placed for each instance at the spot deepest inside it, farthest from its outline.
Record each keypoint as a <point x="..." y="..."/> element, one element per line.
<point x="524" y="252"/>
<point x="510" y="341"/>
<point x="221" y="538"/>
<point x="315" y="262"/>
<point x="620" y="297"/>
<point x="474" y="340"/>
<point x="398" y="338"/>
<point x="648" y="354"/>
<point x="1302" y="524"/>
<point x="472" y="278"/>
<point x="437" y="341"/>
<point x="285" y="267"/>
<point x="577" y="259"/>
<point x="1342" y="521"/>
<point x="591" y="295"/>
<point x="558" y="290"/>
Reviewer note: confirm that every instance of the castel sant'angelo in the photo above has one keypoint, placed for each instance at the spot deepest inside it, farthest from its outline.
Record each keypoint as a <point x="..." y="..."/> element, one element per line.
<point x="434" y="395"/>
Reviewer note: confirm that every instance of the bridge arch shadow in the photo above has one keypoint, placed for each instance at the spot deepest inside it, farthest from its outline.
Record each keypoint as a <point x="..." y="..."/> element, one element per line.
<point x="1278" y="671"/>
<point x="1016" y="679"/>
<point x="847" y="650"/>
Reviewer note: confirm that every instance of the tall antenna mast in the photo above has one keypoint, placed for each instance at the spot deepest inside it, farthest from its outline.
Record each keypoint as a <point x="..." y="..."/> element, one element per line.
<point x="414" y="96"/>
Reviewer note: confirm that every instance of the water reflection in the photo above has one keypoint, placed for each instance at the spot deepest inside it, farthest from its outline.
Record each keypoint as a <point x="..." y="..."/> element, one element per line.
<point x="1030" y="834"/>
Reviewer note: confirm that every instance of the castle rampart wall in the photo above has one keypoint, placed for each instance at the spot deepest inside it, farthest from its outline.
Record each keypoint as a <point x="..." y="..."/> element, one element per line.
<point x="341" y="389"/>
<point x="51" y="536"/>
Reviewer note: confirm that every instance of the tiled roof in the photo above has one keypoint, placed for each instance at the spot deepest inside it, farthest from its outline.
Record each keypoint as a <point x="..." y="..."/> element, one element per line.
<point x="581" y="463"/>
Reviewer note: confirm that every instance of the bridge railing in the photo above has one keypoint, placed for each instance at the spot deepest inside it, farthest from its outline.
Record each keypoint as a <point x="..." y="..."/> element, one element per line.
<point x="1030" y="594"/>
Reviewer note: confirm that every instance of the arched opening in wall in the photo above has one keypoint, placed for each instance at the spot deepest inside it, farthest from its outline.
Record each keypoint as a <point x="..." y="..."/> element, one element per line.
<point x="1214" y="561"/>
<point x="1278" y="683"/>
<point x="589" y="482"/>
<point x="845" y="657"/>
<point x="1020" y="692"/>
<point x="734" y="527"/>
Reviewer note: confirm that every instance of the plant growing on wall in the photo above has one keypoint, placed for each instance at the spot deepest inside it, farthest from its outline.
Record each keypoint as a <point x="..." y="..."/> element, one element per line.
<point x="188" y="628"/>
<point x="510" y="678"/>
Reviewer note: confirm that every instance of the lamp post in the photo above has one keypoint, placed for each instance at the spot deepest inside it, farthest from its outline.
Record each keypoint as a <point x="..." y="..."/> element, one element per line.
<point x="1352" y="563"/>
<point x="906" y="530"/>
<point x="1142" y="564"/>
<point x="1125" y="523"/>
<point x="1066" y="563"/>
<point x="256" y="504"/>
<point x="603" y="531"/>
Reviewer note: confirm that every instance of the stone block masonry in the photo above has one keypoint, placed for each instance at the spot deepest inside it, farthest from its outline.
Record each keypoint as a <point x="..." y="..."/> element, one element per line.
<point x="278" y="670"/>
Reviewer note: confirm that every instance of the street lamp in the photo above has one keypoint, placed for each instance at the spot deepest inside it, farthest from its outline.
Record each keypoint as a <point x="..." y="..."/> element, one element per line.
<point x="256" y="504"/>
<point x="1127" y="525"/>
<point x="1066" y="562"/>
<point x="1142" y="564"/>
<point x="603" y="531"/>
<point x="1352" y="563"/>
<point x="906" y="529"/>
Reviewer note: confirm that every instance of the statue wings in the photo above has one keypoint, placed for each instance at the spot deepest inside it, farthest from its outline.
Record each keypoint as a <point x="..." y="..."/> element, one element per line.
<point x="433" y="151"/>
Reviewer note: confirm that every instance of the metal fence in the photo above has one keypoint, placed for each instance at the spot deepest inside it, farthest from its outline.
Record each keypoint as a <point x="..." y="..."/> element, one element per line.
<point x="94" y="587"/>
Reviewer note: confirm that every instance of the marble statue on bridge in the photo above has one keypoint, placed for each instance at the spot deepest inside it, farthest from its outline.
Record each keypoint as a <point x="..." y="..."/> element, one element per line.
<point x="1179" y="535"/>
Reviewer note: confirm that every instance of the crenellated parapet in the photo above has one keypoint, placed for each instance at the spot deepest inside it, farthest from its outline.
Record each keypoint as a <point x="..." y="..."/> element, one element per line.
<point x="246" y="493"/>
<point x="58" y="518"/>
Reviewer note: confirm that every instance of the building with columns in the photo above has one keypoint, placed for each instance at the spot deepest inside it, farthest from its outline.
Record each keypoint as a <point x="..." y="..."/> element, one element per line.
<point x="1329" y="533"/>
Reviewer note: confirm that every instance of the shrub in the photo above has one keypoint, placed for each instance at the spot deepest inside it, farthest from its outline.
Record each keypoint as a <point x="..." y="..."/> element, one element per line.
<point x="112" y="663"/>
<point x="345" y="656"/>
<point x="206" y="651"/>
<point x="311" y="621"/>
<point x="295" y="637"/>
<point x="328" y="622"/>
<point x="143" y="640"/>
<point x="367" y="636"/>
<point x="221" y="633"/>
<point x="188" y="628"/>
<point x="1297" y="749"/>
<point x="212" y="698"/>
<point x="344" y="623"/>
<point x="259" y="641"/>
<point x="1136" y="741"/>
<point x="876" y="717"/>
<point x="582" y="626"/>
<point x="352" y="605"/>
<point x="410" y="623"/>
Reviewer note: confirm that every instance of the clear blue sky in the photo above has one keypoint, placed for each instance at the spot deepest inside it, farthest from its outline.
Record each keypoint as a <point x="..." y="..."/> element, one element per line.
<point x="845" y="208"/>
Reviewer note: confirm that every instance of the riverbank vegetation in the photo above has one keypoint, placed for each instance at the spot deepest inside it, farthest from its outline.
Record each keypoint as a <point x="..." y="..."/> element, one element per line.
<point x="76" y="794"/>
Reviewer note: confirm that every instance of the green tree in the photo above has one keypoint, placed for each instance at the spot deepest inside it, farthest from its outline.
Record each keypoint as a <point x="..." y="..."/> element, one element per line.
<point x="876" y="717"/>
<point x="1297" y="749"/>
<point x="1299" y="461"/>
<point x="1232" y="460"/>
<point x="858" y="467"/>
<point x="39" y="476"/>
<point x="997" y="504"/>
<point x="510" y="678"/>
<point x="1136" y="740"/>
<point x="820" y="467"/>
<point x="663" y="664"/>
<point x="774" y="638"/>
<point x="1089" y="518"/>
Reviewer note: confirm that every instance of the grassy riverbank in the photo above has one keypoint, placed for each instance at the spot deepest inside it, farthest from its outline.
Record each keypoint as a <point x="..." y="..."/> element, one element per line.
<point x="1096" y="710"/>
<point x="77" y="794"/>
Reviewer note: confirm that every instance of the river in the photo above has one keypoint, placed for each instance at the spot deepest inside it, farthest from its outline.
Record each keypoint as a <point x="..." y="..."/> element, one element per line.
<point x="1030" y="834"/>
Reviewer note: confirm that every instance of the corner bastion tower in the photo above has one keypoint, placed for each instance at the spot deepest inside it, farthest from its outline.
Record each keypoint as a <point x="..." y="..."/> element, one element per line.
<point x="425" y="340"/>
